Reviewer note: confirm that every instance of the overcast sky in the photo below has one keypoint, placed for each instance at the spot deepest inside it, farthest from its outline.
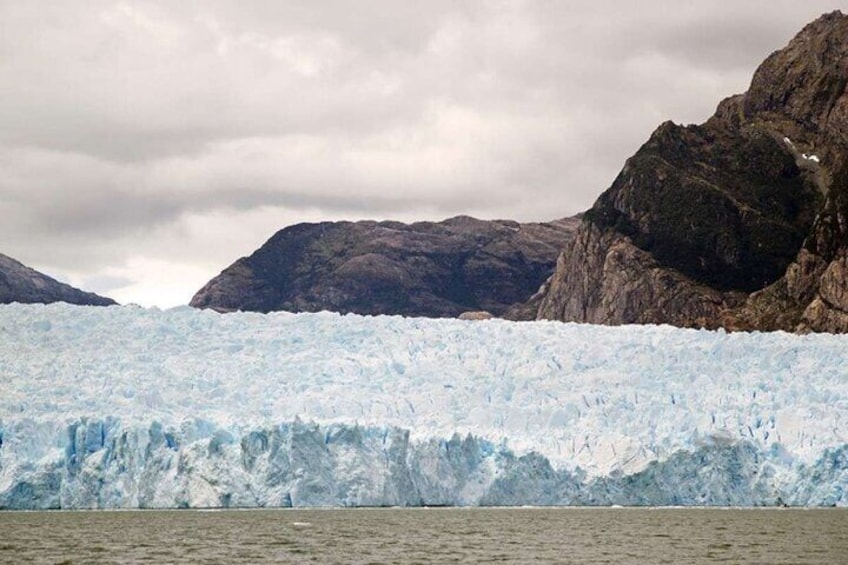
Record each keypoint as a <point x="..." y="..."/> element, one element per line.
<point x="145" y="146"/>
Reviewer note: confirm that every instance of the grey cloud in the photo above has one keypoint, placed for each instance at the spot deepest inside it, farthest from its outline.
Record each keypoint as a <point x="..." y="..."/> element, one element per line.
<point x="104" y="284"/>
<point x="719" y="45"/>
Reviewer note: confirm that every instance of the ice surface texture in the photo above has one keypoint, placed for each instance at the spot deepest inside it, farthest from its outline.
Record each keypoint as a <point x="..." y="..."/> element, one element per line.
<point x="127" y="407"/>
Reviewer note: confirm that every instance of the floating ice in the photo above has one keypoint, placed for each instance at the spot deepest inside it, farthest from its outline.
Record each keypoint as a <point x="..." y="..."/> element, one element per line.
<point x="126" y="407"/>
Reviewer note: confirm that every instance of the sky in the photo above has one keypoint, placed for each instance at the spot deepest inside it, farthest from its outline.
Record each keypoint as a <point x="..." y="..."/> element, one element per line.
<point x="145" y="146"/>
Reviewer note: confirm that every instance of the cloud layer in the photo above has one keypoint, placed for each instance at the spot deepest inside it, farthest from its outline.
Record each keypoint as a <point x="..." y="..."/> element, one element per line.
<point x="146" y="145"/>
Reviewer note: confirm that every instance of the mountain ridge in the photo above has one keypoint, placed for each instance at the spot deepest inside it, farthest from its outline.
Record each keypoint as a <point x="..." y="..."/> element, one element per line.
<point x="738" y="222"/>
<point x="433" y="269"/>
<point x="19" y="283"/>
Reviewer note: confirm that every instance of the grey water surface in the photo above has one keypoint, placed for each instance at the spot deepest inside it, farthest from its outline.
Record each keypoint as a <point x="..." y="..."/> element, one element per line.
<point x="428" y="535"/>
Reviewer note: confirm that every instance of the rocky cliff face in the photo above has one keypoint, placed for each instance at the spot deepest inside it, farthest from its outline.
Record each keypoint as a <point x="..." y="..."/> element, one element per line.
<point x="739" y="222"/>
<point x="19" y="283"/>
<point x="423" y="269"/>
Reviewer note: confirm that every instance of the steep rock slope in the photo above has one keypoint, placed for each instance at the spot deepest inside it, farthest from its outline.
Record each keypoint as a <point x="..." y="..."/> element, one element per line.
<point x="752" y="201"/>
<point x="19" y="283"/>
<point x="434" y="269"/>
<point x="806" y="84"/>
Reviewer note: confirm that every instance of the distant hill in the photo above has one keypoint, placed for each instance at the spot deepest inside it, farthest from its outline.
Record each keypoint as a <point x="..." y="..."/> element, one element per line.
<point x="433" y="269"/>
<point x="741" y="222"/>
<point x="19" y="283"/>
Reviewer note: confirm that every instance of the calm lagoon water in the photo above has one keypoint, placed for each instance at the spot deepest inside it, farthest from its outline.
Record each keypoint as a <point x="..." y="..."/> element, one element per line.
<point x="428" y="535"/>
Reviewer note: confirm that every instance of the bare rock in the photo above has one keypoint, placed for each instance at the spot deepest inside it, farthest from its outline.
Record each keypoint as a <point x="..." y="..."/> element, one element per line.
<point x="603" y="278"/>
<point x="476" y="316"/>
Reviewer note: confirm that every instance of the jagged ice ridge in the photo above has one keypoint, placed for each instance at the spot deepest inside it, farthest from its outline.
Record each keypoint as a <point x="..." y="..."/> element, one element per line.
<point x="125" y="407"/>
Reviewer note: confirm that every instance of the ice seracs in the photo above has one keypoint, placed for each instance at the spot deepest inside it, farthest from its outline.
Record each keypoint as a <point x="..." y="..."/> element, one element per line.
<point x="126" y="407"/>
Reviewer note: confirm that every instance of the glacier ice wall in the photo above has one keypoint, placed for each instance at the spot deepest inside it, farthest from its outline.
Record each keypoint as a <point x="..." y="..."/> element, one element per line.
<point x="126" y="407"/>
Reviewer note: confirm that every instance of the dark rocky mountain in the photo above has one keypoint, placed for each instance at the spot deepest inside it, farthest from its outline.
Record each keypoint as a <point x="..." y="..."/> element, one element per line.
<point x="434" y="269"/>
<point x="740" y="222"/>
<point x="19" y="283"/>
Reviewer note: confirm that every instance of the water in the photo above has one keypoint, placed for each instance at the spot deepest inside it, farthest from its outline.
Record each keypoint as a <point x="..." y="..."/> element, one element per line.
<point x="514" y="535"/>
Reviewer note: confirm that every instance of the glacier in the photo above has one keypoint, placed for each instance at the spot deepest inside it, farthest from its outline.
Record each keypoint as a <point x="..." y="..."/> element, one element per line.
<point x="125" y="407"/>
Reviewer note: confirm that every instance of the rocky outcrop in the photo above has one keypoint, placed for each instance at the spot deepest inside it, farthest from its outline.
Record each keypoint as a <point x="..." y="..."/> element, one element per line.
<point x="19" y="283"/>
<point x="739" y="222"/>
<point x="435" y="269"/>
<point x="806" y="84"/>
<point x="612" y="281"/>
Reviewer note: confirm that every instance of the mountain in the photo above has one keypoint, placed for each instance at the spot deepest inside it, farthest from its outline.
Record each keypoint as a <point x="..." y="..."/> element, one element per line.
<point x="433" y="269"/>
<point x="740" y="222"/>
<point x="19" y="283"/>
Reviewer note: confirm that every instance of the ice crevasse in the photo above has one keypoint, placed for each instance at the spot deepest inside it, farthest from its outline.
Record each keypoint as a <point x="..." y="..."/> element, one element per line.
<point x="125" y="407"/>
